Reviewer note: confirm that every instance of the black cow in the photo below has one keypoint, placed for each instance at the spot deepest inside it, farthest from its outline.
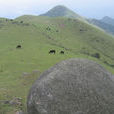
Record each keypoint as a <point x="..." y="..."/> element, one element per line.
<point x="81" y="30"/>
<point x="18" y="47"/>
<point x="52" y="52"/>
<point x="62" y="52"/>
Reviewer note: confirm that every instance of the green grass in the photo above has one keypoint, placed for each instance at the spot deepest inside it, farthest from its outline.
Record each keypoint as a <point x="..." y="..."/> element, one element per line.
<point x="36" y="42"/>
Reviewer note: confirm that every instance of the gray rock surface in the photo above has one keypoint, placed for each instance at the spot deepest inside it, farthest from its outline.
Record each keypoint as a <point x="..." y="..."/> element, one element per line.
<point x="74" y="86"/>
<point x="20" y="112"/>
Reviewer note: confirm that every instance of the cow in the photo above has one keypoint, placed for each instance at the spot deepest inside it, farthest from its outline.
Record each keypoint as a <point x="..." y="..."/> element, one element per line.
<point x="62" y="52"/>
<point x="18" y="47"/>
<point x="81" y="30"/>
<point x="52" y="52"/>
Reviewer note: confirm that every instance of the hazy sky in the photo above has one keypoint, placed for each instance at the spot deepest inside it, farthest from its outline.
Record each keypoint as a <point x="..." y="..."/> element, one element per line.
<point x="87" y="8"/>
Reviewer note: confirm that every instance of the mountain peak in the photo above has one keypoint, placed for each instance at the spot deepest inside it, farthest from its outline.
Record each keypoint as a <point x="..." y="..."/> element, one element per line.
<point x="108" y="20"/>
<point x="61" y="11"/>
<point x="60" y="6"/>
<point x="106" y="17"/>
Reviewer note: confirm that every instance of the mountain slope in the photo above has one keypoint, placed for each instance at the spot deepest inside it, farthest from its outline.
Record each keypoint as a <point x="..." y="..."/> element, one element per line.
<point x="61" y="11"/>
<point x="38" y="35"/>
<point x="108" y="20"/>
<point x="105" y="26"/>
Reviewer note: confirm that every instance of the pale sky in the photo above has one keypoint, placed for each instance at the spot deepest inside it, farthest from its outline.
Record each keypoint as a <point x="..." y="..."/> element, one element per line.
<point x="87" y="8"/>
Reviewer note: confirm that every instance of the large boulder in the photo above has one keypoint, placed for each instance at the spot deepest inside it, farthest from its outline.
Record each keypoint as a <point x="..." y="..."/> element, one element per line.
<point x="74" y="86"/>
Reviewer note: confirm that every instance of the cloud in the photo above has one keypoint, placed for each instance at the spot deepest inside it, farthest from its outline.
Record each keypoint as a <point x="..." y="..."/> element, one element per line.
<point x="19" y="7"/>
<point x="14" y="8"/>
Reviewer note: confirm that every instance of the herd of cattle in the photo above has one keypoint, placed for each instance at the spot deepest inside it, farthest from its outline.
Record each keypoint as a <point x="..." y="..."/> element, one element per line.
<point x="50" y="52"/>
<point x="54" y="51"/>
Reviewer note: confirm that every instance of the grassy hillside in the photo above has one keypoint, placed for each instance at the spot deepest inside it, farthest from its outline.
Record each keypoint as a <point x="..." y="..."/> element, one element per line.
<point x="38" y="35"/>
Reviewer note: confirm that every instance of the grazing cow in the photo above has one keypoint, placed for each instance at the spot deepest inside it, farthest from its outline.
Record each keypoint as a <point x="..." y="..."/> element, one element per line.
<point x="18" y="47"/>
<point x="62" y="52"/>
<point x="52" y="51"/>
<point x="81" y="30"/>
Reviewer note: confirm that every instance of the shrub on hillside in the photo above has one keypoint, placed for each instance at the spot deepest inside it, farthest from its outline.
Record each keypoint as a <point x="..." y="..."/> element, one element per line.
<point x="21" y="21"/>
<point x="96" y="55"/>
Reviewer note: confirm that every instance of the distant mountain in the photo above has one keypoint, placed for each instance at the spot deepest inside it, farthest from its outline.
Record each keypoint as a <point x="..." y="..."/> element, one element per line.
<point x="61" y="11"/>
<point x="105" y="26"/>
<point x="108" y="20"/>
<point x="106" y="23"/>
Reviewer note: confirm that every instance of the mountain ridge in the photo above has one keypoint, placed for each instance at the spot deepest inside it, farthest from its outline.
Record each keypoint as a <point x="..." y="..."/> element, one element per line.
<point x="105" y="26"/>
<point x="61" y="11"/>
<point x="108" y="20"/>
